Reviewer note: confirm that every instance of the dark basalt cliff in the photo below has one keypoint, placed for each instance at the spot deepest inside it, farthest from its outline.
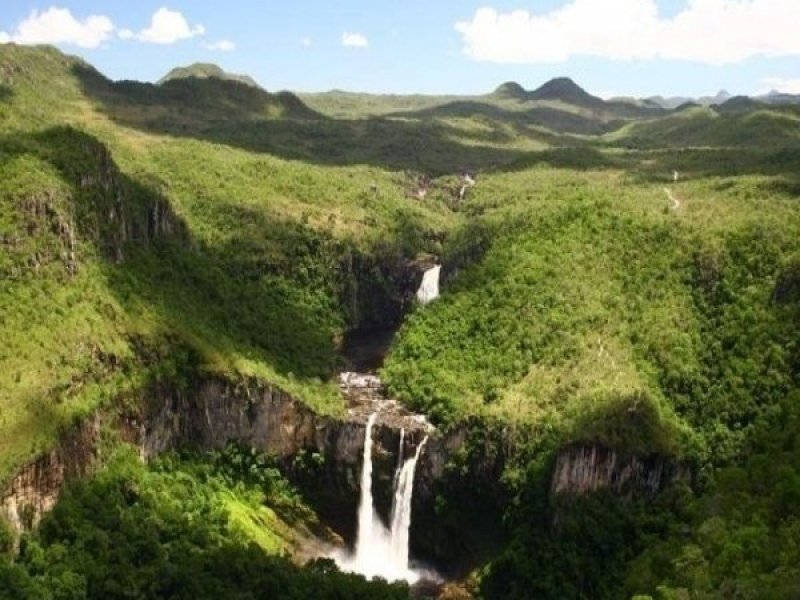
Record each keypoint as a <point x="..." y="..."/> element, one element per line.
<point x="322" y="454"/>
<point x="211" y="414"/>
<point x="582" y="469"/>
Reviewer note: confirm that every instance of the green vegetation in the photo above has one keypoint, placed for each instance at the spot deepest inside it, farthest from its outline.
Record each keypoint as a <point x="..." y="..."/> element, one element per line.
<point x="178" y="529"/>
<point x="204" y="225"/>
<point x="742" y="540"/>
<point x="204" y="71"/>
<point x="591" y="288"/>
<point x="127" y="256"/>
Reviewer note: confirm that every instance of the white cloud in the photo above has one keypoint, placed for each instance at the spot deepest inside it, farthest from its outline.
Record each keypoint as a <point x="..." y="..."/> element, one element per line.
<point x="166" y="27"/>
<point x="58" y="26"/>
<point x="221" y="45"/>
<point x="306" y="41"/>
<point x="354" y="40"/>
<point x="708" y="31"/>
<point x="787" y="86"/>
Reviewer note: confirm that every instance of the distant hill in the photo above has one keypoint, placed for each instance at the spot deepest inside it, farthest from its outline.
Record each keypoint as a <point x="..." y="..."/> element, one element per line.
<point x="738" y="103"/>
<point x="740" y="121"/>
<point x="672" y="102"/>
<point x="776" y="97"/>
<point x="192" y="95"/>
<point x="510" y="90"/>
<point x="719" y="99"/>
<point x="567" y="91"/>
<point x="206" y="71"/>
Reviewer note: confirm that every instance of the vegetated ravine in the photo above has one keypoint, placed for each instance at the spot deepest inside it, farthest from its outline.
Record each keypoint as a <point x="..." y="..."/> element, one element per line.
<point x="527" y="344"/>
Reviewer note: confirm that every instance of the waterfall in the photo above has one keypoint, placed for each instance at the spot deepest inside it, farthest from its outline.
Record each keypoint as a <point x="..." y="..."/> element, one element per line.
<point x="366" y="509"/>
<point x="381" y="551"/>
<point x="400" y="455"/>
<point x="429" y="288"/>
<point x="401" y="508"/>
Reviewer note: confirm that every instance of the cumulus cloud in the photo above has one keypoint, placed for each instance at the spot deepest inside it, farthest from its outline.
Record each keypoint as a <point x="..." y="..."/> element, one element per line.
<point x="354" y="40"/>
<point x="58" y="26"/>
<point x="708" y="31"/>
<point x="221" y="45"/>
<point x="781" y="84"/>
<point x="166" y="27"/>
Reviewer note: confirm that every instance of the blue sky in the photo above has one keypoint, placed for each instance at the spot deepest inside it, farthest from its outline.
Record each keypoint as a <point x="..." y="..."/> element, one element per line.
<point x="628" y="47"/>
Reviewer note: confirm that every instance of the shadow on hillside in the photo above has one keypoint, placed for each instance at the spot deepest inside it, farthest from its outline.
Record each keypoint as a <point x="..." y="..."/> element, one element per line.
<point x="238" y="115"/>
<point x="576" y="158"/>
<point x="259" y="300"/>
<point x="659" y="165"/>
<point x="552" y="119"/>
<point x="5" y="93"/>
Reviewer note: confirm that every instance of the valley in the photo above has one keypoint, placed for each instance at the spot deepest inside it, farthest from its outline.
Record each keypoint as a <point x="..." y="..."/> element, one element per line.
<point x="549" y="343"/>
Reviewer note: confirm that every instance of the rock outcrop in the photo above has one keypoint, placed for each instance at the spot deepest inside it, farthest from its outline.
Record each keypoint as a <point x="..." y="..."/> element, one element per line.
<point x="379" y="290"/>
<point x="212" y="414"/>
<point x="36" y="487"/>
<point x="581" y="469"/>
<point x="120" y="210"/>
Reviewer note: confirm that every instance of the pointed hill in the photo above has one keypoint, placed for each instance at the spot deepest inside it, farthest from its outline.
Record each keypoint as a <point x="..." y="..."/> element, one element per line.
<point x="565" y="90"/>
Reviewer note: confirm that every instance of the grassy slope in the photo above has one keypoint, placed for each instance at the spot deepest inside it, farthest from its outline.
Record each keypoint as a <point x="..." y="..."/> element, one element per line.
<point x="591" y="286"/>
<point x="251" y="291"/>
<point x="182" y="528"/>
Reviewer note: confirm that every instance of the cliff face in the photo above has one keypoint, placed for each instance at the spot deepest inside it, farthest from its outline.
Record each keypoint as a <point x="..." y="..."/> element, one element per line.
<point x="582" y="469"/>
<point x="323" y="455"/>
<point x="210" y="415"/>
<point x="36" y="487"/>
<point x="113" y="210"/>
<point x="378" y="291"/>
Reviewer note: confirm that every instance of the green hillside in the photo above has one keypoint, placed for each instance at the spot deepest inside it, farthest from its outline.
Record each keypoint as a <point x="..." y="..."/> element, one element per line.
<point x="241" y="275"/>
<point x="206" y="71"/>
<point x="159" y="233"/>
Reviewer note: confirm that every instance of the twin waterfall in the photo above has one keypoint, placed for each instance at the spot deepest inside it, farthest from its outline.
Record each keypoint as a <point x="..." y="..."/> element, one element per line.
<point x="382" y="551"/>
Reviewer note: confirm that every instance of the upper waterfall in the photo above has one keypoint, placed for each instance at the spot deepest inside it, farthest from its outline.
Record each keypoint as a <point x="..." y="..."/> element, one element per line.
<point x="429" y="288"/>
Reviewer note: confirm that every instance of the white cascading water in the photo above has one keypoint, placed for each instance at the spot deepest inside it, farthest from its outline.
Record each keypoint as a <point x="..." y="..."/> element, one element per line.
<point x="429" y="288"/>
<point x="380" y="551"/>
<point x="366" y="510"/>
<point x="401" y="508"/>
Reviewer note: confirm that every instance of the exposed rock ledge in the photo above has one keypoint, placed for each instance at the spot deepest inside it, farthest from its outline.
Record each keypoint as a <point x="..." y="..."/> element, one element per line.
<point x="581" y="469"/>
<point x="215" y="412"/>
<point x="210" y="415"/>
<point x="35" y="488"/>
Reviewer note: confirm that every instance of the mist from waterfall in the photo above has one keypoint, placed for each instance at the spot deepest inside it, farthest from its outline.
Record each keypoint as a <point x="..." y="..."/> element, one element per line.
<point x="380" y="550"/>
<point x="429" y="288"/>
